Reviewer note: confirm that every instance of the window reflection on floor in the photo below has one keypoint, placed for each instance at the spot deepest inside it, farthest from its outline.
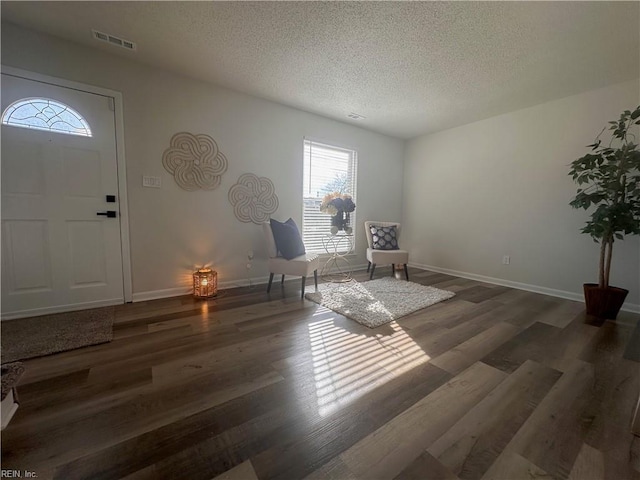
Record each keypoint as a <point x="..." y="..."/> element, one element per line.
<point x="347" y="365"/>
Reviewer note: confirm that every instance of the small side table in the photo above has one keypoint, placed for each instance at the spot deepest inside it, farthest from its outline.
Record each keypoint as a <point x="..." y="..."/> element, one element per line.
<point x="337" y="268"/>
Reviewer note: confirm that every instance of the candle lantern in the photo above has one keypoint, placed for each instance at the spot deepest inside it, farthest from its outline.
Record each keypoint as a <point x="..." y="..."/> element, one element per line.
<point x="205" y="283"/>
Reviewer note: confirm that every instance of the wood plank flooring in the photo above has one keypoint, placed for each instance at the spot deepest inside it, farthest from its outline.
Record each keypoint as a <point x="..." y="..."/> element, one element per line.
<point x="494" y="383"/>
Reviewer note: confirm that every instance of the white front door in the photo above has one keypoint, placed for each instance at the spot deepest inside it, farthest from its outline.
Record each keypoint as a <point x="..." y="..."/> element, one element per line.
<point x="57" y="253"/>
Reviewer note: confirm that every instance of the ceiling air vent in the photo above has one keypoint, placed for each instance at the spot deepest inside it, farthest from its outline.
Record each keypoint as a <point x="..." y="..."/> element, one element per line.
<point x="113" y="40"/>
<point x="356" y="116"/>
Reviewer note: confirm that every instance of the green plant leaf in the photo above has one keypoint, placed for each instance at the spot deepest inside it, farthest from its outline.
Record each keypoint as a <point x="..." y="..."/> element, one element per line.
<point x="608" y="178"/>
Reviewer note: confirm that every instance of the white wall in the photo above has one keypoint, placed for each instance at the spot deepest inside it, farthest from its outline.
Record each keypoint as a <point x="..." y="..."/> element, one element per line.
<point x="471" y="194"/>
<point x="500" y="187"/>
<point x="171" y="229"/>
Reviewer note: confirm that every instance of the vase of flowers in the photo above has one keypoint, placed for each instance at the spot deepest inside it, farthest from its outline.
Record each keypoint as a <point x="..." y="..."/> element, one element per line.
<point x="339" y="206"/>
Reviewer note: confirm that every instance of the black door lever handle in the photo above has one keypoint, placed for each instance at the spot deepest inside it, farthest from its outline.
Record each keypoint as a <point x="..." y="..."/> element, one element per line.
<point x="108" y="213"/>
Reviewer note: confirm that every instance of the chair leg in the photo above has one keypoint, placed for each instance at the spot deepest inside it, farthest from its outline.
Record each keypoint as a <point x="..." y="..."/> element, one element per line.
<point x="368" y="267"/>
<point x="393" y="269"/>
<point x="270" y="280"/>
<point x="282" y="281"/>
<point x="373" y="269"/>
<point x="315" y="278"/>
<point x="304" y="281"/>
<point x="406" y="272"/>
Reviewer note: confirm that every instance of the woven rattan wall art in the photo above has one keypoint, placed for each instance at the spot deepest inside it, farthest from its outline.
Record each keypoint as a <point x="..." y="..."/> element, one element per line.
<point x="253" y="198"/>
<point x="195" y="161"/>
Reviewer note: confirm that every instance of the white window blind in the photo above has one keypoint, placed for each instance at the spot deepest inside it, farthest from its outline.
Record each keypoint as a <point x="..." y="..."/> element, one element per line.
<point x="326" y="169"/>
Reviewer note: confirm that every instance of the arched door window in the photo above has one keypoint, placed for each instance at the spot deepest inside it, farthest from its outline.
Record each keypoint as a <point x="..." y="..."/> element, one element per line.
<point x="46" y="114"/>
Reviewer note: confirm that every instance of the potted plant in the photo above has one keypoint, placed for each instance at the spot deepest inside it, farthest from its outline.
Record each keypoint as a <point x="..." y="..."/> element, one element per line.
<point x="609" y="183"/>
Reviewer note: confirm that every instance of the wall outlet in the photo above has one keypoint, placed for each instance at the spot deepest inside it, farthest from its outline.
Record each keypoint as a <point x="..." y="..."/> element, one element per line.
<point x="506" y="260"/>
<point x="152" y="182"/>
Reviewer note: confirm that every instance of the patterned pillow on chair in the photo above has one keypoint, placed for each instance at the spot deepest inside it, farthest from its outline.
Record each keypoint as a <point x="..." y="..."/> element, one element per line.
<point x="384" y="238"/>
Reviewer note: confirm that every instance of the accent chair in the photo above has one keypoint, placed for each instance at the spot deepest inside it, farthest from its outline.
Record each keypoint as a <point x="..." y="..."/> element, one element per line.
<point x="301" y="266"/>
<point x="383" y="247"/>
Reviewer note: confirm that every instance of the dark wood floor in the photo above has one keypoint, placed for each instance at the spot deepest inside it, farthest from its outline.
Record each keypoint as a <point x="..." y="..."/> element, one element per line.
<point x="495" y="383"/>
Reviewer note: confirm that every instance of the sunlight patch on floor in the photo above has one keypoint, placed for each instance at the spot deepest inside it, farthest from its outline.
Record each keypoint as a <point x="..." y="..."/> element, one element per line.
<point x="347" y="365"/>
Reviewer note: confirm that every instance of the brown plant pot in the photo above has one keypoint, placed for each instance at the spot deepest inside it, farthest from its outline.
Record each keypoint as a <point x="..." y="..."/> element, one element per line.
<point x="603" y="302"/>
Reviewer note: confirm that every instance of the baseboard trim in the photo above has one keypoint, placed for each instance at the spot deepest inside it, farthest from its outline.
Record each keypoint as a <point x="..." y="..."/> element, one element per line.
<point x="244" y="282"/>
<point x="179" y="291"/>
<point x="578" y="297"/>
<point x="36" y="312"/>
<point x="158" y="294"/>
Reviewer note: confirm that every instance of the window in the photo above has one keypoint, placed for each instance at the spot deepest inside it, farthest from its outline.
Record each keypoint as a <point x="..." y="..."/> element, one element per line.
<point x="45" y="114"/>
<point x="326" y="169"/>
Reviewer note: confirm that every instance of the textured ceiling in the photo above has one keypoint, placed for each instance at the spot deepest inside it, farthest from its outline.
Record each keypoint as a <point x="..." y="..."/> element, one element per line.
<point x="408" y="67"/>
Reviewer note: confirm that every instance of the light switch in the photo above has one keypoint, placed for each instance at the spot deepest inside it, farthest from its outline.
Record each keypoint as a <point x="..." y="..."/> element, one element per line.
<point x="152" y="182"/>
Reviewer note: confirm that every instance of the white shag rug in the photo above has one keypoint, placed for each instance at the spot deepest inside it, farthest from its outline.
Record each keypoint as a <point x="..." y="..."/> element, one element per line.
<point x="377" y="302"/>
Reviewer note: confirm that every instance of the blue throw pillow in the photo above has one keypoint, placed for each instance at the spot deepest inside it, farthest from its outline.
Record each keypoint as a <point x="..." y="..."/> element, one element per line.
<point x="287" y="237"/>
<point x="384" y="238"/>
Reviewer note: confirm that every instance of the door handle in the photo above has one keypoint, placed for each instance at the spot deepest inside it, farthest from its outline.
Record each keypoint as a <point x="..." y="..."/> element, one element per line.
<point x="108" y="213"/>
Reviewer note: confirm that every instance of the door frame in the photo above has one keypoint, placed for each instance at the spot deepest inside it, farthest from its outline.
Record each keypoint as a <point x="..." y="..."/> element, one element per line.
<point x="125" y="246"/>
